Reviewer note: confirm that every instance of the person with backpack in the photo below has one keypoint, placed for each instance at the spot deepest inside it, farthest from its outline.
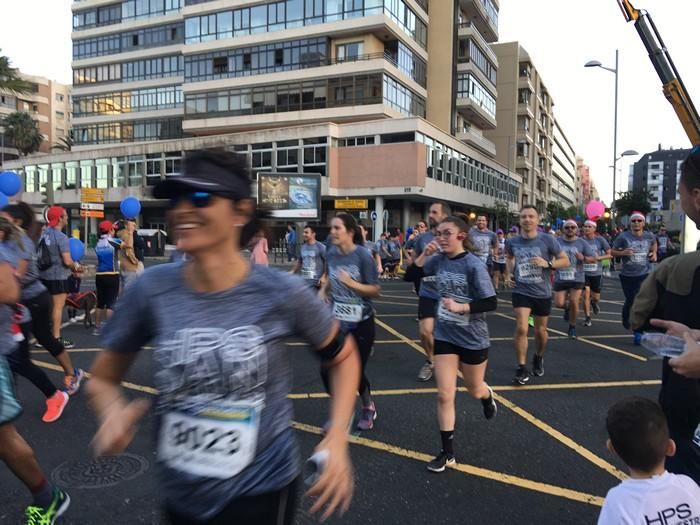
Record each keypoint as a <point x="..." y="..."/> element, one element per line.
<point x="55" y="266"/>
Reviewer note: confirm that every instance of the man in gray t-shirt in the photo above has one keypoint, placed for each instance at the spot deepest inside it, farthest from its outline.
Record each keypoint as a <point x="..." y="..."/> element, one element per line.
<point x="483" y="240"/>
<point x="311" y="259"/>
<point x="637" y="248"/>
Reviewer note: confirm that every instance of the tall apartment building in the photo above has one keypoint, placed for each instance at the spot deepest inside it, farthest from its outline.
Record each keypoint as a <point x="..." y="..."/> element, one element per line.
<point x="388" y="100"/>
<point x="659" y="172"/>
<point x="49" y="105"/>
<point x="528" y="138"/>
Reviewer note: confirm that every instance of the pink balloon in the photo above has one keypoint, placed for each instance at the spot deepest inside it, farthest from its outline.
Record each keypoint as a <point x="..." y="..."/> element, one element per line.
<point x="595" y="210"/>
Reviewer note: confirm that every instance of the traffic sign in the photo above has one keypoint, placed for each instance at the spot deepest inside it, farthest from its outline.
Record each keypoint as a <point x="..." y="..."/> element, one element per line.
<point x="92" y="213"/>
<point x="373" y="216"/>
<point x="92" y="206"/>
<point x="92" y="195"/>
<point x="351" y="204"/>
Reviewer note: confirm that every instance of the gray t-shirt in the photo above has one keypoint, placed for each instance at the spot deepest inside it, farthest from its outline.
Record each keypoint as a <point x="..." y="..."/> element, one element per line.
<point x="313" y="261"/>
<point x="638" y="264"/>
<point x="600" y="246"/>
<point x="531" y="280"/>
<point x="574" y="272"/>
<point x="483" y="242"/>
<point x="428" y="286"/>
<point x="465" y="279"/>
<point x="348" y="306"/>
<point x="7" y="343"/>
<point x="222" y="373"/>
<point x="57" y="243"/>
<point x="26" y="251"/>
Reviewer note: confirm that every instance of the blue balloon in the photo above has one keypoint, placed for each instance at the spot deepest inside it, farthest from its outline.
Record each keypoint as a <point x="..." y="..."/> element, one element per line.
<point x="77" y="248"/>
<point x="9" y="183"/>
<point x="559" y="221"/>
<point x="130" y="207"/>
<point x="4" y="201"/>
<point x="578" y="217"/>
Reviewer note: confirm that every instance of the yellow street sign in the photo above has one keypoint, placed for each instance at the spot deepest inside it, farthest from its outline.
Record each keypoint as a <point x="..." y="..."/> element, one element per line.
<point x="351" y="204"/>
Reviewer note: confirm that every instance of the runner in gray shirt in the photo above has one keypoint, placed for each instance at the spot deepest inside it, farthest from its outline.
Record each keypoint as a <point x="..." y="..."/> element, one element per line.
<point x="570" y="280"/>
<point x="218" y="328"/>
<point x="483" y="240"/>
<point x="594" y="271"/>
<point x="461" y="332"/>
<point x="531" y="257"/>
<point x="637" y="248"/>
<point x="311" y="259"/>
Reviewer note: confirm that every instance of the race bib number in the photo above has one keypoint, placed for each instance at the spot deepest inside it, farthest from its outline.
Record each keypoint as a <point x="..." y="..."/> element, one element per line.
<point x="590" y="267"/>
<point x="430" y="279"/>
<point x="308" y="274"/>
<point x="567" y="274"/>
<point x="529" y="272"/>
<point x="446" y="316"/>
<point x="217" y="443"/>
<point x="347" y="312"/>
<point x="639" y="258"/>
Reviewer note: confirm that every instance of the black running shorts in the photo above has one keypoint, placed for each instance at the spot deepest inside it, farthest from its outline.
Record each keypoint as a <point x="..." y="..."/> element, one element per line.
<point x="107" y="290"/>
<point x="562" y="287"/>
<point x="539" y="307"/>
<point x="466" y="356"/>
<point x="427" y="308"/>
<point x="594" y="282"/>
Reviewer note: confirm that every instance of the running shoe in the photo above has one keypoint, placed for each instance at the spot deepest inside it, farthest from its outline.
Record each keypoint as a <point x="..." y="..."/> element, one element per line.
<point x="522" y="375"/>
<point x="588" y="321"/>
<point x="538" y="365"/>
<point x="54" y="406"/>
<point x="489" y="405"/>
<point x="637" y="338"/>
<point x="369" y="414"/>
<point x="97" y="332"/>
<point x="72" y="382"/>
<point x="67" y="343"/>
<point x="531" y="321"/>
<point x="425" y="372"/>
<point x="572" y="332"/>
<point x="47" y="516"/>
<point x="596" y="307"/>
<point x="440" y="462"/>
<point x="566" y="313"/>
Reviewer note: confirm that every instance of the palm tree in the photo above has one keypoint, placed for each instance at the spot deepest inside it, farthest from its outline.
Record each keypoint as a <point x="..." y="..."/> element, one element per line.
<point x="23" y="131"/>
<point x="64" y="143"/>
<point x="10" y="79"/>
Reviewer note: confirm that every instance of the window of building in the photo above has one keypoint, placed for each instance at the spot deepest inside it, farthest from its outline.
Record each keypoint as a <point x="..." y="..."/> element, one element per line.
<point x="524" y="96"/>
<point x="523" y="149"/>
<point x="220" y="65"/>
<point x="349" y="51"/>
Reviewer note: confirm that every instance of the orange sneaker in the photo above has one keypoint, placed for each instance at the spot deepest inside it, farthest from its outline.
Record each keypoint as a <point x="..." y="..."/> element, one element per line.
<point x="54" y="406"/>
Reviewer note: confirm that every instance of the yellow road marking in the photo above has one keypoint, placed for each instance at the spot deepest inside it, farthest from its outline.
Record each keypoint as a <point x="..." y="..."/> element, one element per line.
<point x="502" y="388"/>
<point x="71" y="351"/>
<point x="565" y="440"/>
<point x="586" y="340"/>
<point x="472" y="470"/>
<point x="390" y="302"/>
<point x="407" y="297"/>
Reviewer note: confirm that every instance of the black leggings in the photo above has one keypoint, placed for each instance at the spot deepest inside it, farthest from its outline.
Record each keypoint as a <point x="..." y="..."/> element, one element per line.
<point x="364" y="335"/>
<point x="40" y="307"/>
<point x="20" y="363"/>
<point x="272" y="508"/>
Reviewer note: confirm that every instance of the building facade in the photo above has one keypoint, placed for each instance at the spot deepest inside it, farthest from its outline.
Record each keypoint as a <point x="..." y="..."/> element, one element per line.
<point x="322" y="86"/>
<point x="659" y="172"/>
<point x="49" y="105"/>
<point x="528" y="138"/>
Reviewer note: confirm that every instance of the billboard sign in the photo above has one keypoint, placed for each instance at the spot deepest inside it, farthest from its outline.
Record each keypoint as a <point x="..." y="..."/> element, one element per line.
<point x="290" y="196"/>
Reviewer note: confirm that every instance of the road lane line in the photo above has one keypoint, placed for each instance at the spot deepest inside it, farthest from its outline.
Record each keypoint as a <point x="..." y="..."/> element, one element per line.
<point x="508" y="479"/>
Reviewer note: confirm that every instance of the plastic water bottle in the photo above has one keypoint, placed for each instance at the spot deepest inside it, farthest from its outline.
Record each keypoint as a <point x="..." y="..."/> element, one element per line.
<point x="663" y="344"/>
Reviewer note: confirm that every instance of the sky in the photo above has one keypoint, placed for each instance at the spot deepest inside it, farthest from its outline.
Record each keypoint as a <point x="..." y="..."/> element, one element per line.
<point x="559" y="35"/>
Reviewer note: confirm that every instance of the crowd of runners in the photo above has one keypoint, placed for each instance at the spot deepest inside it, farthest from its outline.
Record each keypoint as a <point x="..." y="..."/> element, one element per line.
<point x="217" y="325"/>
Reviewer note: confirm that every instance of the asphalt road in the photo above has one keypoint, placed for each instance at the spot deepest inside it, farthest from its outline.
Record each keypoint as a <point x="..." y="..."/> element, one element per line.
<point x="541" y="460"/>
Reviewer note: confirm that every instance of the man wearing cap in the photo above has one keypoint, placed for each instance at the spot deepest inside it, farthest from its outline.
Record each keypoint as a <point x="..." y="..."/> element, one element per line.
<point x="107" y="273"/>
<point x="569" y="280"/>
<point x="637" y="248"/>
<point x="594" y="271"/>
<point x="128" y="262"/>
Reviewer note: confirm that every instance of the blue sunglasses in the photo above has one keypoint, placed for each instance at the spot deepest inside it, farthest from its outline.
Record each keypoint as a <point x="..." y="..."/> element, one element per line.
<point x="198" y="199"/>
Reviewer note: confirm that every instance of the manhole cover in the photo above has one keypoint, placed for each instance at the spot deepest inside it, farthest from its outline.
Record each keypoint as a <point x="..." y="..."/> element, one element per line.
<point x="100" y="472"/>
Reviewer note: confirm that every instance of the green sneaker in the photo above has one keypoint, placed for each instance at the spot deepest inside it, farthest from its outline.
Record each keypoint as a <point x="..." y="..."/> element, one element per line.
<point x="47" y="516"/>
<point x="531" y="321"/>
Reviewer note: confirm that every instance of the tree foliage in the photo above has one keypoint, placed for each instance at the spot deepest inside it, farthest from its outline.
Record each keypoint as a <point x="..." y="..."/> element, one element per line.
<point x="630" y="201"/>
<point x="64" y="143"/>
<point x="23" y="131"/>
<point x="10" y="79"/>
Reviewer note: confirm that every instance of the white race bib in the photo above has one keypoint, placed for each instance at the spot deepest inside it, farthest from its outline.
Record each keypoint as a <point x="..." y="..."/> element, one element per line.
<point x="639" y="258"/>
<point x="567" y="274"/>
<point x="529" y="272"/>
<point x="590" y="267"/>
<point x="446" y="316"/>
<point x="347" y="312"/>
<point x="217" y="443"/>
<point x="308" y="274"/>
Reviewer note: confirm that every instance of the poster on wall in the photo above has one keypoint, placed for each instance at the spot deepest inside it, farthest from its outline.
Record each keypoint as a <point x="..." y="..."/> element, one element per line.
<point x="290" y="196"/>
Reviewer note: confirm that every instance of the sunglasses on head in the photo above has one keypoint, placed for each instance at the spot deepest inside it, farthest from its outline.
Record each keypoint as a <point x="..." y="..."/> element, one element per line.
<point x="198" y="199"/>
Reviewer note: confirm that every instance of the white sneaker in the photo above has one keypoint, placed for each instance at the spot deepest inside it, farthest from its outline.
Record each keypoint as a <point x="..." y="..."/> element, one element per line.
<point x="79" y="318"/>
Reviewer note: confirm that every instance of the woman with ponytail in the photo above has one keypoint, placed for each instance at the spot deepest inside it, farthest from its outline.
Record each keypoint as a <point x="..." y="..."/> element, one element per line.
<point x="226" y="451"/>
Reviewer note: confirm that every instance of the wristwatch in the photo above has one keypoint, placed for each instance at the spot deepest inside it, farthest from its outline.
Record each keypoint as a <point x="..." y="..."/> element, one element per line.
<point x="551" y="266"/>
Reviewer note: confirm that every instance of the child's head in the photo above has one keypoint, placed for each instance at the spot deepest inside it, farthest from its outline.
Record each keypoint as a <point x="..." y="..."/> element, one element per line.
<point x="639" y="433"/>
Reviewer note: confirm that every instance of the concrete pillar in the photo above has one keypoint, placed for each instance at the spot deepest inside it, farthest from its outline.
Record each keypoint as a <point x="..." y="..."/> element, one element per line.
<point x="378" y="225"/>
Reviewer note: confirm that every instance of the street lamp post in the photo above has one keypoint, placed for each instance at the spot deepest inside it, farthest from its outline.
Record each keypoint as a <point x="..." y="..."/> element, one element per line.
<point x="2" y="145"/>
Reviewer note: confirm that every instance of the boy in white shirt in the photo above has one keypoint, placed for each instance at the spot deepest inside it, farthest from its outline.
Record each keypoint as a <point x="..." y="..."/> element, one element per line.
<point x="651" y="496"/>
